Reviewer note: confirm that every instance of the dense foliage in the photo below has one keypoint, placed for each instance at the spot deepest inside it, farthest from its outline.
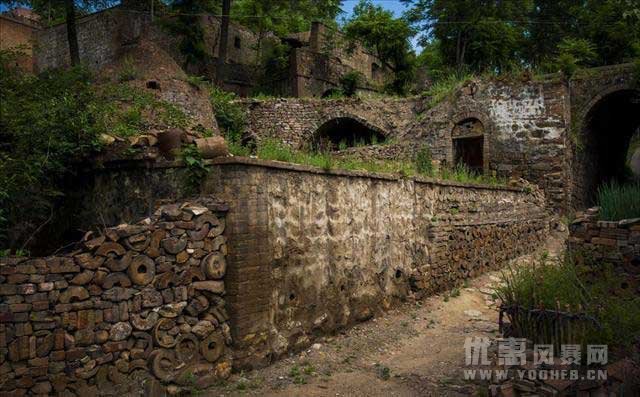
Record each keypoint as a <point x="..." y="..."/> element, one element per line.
<point x="47" y="125"/>
<point x="284" y="16"/>
<point x="549" y="35"/>
<point x="388" y="37"/>
<point x="50" y="124"/>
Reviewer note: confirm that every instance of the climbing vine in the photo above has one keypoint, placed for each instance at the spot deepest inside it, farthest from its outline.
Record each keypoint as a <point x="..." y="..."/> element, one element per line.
<point x="196" y="168"/>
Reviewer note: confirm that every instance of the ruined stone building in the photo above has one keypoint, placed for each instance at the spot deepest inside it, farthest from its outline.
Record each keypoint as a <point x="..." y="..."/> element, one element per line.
<point x="317" y="60"/>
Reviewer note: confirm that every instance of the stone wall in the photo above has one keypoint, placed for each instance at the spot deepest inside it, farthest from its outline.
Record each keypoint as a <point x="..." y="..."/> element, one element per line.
<point x="100" y="36"/>
<point x="315" y="67"/>
<point x="295" y="121"/>
<point x="617" y="243"/>
<point x="311" y="252"/>
<point x="524" y="122"/>
<point x="134" y="309"/>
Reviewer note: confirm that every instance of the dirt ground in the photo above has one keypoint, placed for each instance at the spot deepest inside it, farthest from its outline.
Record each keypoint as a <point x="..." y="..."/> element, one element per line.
<point x="415" y="350"/>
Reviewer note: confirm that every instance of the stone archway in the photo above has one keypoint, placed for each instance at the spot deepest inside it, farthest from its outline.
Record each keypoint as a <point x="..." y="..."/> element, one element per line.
<point x="606" y="125"/>
<point x="345" y="131"/>
<point x="470" y="141"/>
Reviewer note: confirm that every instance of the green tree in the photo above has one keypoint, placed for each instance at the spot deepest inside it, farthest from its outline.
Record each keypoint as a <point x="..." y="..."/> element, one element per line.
<point x="388" y="37"/>
<point x="612" y="27"/>
<point x="187" y="26"/>
<point x="550" y="21"/>
<point x="473" y="34"/>
<point x="432" y="61"/>
<point x="284" y="16"/>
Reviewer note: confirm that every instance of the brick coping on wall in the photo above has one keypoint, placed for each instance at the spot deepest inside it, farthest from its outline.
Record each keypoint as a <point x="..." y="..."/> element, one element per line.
<point x="249" y="101"/>
<point x="255" y="162"/>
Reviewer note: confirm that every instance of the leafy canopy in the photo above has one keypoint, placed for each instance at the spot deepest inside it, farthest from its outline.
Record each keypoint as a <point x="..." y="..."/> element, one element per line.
<point x="551" y="35"/>
<point x="388" y="37"/>
<point x="284" y="16"/>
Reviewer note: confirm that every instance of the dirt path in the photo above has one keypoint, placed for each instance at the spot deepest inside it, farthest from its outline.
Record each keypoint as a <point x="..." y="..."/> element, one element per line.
<point x="416" y="349"/>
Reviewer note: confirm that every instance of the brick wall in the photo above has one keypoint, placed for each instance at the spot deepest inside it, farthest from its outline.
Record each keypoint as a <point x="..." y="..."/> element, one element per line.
<point x="616" y="243"/>
<point x="132" y="310"/>
<point x="15" y="33"/>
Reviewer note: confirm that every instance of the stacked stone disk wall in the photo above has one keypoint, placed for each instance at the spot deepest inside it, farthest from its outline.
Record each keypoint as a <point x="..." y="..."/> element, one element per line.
<point x="137" y="308"/>
<point x="313" y="251"/>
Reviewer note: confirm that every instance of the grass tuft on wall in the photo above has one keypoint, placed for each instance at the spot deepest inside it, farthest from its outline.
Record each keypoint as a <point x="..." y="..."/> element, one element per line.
<point x="271" y="149"/>
<point x="618" y="201"/>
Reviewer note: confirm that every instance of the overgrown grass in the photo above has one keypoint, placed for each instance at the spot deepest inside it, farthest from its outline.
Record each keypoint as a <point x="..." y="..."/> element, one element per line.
<point x="575" y="286"/>
<point x="271" y="149"/>
<point x="128" y="71"/>
<point x="230" y="117"/>
<point x="619" y="201"/>
<point x="124" y="111"/>
<point x="445" y="88"/>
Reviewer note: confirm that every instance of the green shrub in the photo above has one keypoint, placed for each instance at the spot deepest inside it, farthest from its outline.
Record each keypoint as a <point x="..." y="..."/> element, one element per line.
<point x="229" y="115"/>
<point x="128" y="70"/>
<point x="50" y="126"/>
<point x="572" y="55"/>
<point x="196" y="169"/>
<point x="423" y="162"/>
<point x="567" y="64"/>
<point x="335" y="93"/>
<point x="47" y="126"/>
<point x="576" y="286"/>
<point x="350" y="82"/>
<point x="445" y="88"/>
<point x="619" y="201"/>
<point x="271" y="149"/>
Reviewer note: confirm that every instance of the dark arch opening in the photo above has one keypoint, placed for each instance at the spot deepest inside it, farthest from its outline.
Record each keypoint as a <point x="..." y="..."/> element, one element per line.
<point x="606" y="135"/>
<point x="468" y="144"/>
<point x="344" y="132"/>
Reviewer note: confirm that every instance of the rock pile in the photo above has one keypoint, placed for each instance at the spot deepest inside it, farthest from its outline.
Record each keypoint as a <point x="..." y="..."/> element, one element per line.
<point x="139" y="307"/>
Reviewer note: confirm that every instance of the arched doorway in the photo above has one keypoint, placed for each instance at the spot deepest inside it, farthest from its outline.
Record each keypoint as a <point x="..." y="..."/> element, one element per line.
<point x="345" y="132"/>
<point x="468" y="142"/>
<point x="603" y="145"/>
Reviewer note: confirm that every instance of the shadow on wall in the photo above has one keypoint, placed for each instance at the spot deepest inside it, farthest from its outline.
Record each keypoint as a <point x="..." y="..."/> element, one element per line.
<point x="345" y="132"/>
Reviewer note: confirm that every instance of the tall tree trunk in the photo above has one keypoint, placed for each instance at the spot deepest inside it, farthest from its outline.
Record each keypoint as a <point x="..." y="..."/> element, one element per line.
<point x="224" y="39"/>
<point x="72" y="34"/>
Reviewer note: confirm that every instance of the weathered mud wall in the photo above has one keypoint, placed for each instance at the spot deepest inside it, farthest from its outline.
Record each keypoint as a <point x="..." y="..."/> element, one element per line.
<point x="311" y="251"/>
<point x="134" y="309"/>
